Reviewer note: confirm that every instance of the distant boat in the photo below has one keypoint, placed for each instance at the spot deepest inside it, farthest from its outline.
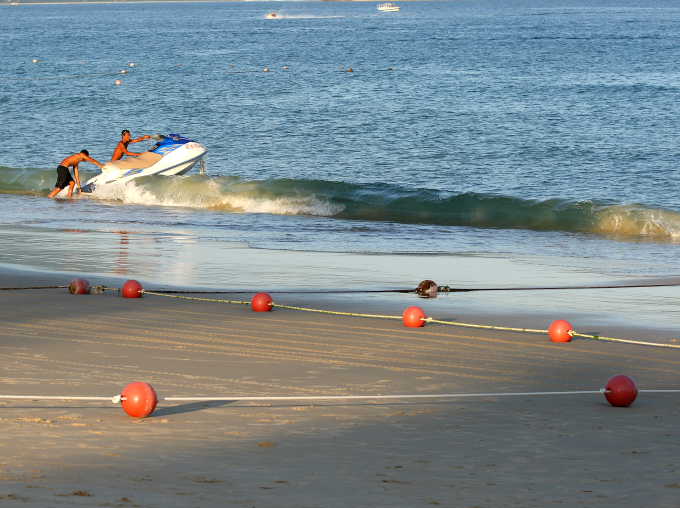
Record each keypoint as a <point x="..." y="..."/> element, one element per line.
<point x="388" y="7"/>
<point x="271" y="15"/>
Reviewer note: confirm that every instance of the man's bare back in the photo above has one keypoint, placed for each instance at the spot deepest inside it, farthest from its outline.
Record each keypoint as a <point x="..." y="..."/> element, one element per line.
<point x="64" y="177"/>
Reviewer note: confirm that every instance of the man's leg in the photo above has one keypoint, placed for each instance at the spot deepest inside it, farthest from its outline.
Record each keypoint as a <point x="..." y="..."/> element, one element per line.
<point x="54" y="192"/>
<point x="71" y="184"/>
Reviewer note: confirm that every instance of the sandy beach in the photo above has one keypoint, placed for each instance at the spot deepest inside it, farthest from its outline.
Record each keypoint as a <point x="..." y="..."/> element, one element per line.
<point x="522" y="451"/>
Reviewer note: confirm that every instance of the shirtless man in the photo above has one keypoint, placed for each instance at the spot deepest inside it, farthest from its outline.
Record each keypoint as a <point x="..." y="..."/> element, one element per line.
<point x="125" y="140"/>
<point x="64" y="177"/>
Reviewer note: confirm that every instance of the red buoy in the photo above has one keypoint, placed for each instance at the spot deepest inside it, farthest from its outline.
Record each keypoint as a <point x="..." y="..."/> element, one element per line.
<point x="560" y="331"/>
<point x="79" y="287"/>
<point x="414" y="316"/>
<point x="261" y="302"/>
<point x="427" y="289"/>
<point x="621" y="391"/>
<point x="131" y="289"/>
<point x="139" y="399"/>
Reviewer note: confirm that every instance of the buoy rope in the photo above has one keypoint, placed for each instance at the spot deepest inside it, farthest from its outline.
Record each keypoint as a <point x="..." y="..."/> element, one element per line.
<point x="440" y="289"/>
<point x="487" y="327"/>
<point x="378" y="397"/>
<point x="291" y="291"/>
<point x="427" y="320"/>
<point x="119" y="398"/>
<point x="62" y="76"/>
<point x="335" y="312"/>
<point x="57" y="397"/>
<point x="33" y="287"/>
<point x="196" y="298"/>
<point x="448" y="289"/>
<point x="625" y="341"/>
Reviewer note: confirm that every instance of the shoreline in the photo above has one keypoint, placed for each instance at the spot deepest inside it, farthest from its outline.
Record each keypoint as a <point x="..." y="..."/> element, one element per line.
<point x="292" y="454"/>
<point x="447" y="307"/>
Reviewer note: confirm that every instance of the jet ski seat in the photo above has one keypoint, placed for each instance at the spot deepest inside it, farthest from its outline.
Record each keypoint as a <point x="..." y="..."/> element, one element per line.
<point x="142" y="161"/>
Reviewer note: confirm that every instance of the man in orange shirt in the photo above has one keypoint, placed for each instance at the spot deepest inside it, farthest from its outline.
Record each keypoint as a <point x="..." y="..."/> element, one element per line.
<point x="125" y="140"/>
<point x="64" y="177"/>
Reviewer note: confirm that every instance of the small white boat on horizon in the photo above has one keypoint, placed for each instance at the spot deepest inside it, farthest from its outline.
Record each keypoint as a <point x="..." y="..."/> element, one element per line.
<point x="388" y="7"/>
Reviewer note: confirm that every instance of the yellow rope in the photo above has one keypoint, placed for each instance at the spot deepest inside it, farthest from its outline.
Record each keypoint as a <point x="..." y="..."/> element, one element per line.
<point x="626" y="341"/>
<point x="427" y="320"/>
<point x="240" y="302"/>
<point x="337" y="313"/>
<point x="486" y="327"/>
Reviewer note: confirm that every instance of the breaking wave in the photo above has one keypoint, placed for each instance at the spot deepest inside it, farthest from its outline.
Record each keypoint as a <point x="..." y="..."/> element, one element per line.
<point x="372" y="202"/>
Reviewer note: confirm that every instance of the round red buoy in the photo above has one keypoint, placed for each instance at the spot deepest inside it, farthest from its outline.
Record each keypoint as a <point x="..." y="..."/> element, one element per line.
<point x="413" y="317"/>
<point x="560" y="331"/>
<point x="79" y="287"/>
<point x="620" y="391"/>
<point x="139" y="399"/>
<point x="261" y="302"/>
<point x="131" y="289"/>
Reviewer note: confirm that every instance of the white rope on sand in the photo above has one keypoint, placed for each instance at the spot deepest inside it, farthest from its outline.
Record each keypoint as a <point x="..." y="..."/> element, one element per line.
<point x="55" y="397"/>
<point x="117" y="398"/>
<point x="377" y="397"/>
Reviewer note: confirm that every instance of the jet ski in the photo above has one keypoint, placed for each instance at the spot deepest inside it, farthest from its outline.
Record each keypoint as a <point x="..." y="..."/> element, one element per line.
<point x="173" y="154"/>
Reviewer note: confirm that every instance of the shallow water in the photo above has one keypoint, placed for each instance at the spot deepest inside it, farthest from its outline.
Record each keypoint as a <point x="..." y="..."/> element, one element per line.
<point x="475" y="143"/>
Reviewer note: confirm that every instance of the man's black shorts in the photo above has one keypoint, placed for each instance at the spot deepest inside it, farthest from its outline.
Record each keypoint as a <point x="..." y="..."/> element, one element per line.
<point x="63" y="177"/>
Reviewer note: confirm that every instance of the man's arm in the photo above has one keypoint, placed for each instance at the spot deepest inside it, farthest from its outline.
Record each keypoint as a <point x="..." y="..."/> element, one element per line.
<point x="76" y="175"/>
<point x="128" y="152"/>
<point x="88" y="159"/>
<point x="143" y="138"/>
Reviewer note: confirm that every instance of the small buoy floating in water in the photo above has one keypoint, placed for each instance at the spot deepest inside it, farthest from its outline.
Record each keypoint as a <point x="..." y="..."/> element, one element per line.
<point x="427" y="289"/>
<point x="266" y="69"/>
<point x="35" y="60"/>
<point x="132" y="64"/>
<point x="123" y="71"/>
<point x="79" y="287"/>
<point x="131" y="289"/>
<point x="118" y="82"/>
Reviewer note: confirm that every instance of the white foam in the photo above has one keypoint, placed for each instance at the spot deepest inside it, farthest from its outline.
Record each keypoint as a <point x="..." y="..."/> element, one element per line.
<point x="210" y="195"/>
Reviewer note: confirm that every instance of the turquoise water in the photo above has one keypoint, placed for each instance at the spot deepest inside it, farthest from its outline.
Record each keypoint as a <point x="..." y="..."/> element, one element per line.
<point x="474" y="143"/>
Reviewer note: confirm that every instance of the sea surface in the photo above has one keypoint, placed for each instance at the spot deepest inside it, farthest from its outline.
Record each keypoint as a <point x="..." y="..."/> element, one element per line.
<point x="477" y="143"/>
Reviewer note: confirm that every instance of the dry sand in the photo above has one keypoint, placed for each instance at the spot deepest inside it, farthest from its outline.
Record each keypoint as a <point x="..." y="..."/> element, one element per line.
<point x="489" y="452"/>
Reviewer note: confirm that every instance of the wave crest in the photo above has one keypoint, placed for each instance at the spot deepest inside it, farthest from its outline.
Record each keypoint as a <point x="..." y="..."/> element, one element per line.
<point x="373" y="202"/>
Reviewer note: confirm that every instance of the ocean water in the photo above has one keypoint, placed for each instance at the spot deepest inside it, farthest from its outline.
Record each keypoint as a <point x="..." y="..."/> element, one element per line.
<point x="476" y="143"/>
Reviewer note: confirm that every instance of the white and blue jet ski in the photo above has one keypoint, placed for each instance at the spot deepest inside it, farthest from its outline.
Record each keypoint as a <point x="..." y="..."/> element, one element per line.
<point x="171" y="155"/>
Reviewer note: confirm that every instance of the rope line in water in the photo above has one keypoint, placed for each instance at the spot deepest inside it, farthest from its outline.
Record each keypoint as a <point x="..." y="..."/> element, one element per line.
<point x="448" y="289"/>
<point x="33" y="287"/>
<point x="441" y="289"/>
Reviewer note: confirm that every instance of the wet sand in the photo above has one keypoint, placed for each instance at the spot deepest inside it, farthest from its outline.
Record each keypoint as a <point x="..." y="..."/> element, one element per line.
<point x="538" y="451"/>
